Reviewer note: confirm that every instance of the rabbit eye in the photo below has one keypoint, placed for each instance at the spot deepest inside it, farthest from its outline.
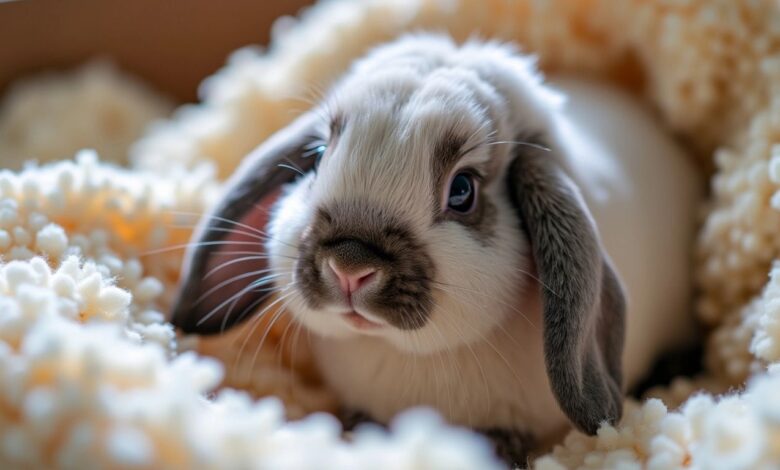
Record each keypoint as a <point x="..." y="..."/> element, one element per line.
<point x="317" y="150"/>
<point x="463" y="193"/>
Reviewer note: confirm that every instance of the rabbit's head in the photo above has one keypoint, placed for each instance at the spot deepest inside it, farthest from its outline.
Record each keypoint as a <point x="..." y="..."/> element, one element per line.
<point x="426" y="200"/>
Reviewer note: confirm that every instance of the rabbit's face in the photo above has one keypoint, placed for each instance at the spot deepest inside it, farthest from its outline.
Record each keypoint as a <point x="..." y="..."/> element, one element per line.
<point x="427" y="200"/>
<point x="404" y="229"/>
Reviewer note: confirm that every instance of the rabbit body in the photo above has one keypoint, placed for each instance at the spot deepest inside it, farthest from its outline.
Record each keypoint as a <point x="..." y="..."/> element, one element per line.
<point x="462" y="238"/>
<point x="643" y="192"/>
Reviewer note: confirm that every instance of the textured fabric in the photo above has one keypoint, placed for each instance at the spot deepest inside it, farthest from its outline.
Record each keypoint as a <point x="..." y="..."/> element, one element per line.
<point x="89" y="373"/>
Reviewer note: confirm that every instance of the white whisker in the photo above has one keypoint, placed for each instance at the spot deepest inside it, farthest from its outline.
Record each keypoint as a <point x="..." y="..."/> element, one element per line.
<point x="234" y="279"/>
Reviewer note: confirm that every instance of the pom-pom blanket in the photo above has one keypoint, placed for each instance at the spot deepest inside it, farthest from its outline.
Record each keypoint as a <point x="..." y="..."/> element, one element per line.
<point x="91" y="375"/>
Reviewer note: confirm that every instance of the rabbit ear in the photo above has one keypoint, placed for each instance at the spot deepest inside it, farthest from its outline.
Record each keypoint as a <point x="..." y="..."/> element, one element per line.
<point x="583" y="300"/>
<point x="225" y="274"/>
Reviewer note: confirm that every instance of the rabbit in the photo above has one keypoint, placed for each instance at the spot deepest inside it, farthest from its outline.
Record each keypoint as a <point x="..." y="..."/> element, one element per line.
<point x="456" y="233"/>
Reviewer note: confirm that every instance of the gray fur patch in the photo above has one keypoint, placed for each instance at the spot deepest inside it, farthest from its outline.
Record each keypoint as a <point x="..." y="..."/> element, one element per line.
<point x="583" y="302"/>
<point x="482" y="220"/>
<point x="359" y="235"/>
<point x="446" y="153"/>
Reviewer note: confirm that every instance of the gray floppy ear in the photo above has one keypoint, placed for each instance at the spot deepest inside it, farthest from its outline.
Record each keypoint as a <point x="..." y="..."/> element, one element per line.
<point x="583" y="300"/>
<point x="225" y="273"/>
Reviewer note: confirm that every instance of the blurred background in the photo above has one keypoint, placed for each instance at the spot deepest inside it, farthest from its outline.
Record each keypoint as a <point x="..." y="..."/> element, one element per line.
<point x="171" y="45"/>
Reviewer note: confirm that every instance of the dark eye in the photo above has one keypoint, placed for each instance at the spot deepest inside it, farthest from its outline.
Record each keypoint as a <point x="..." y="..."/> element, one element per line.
<point x="462" y="193"/>
<point x="319" y="151"/>
<point x="316" y="150"/>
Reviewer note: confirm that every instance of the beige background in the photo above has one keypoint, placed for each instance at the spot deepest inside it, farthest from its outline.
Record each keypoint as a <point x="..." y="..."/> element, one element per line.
<point x="172" y="44"/>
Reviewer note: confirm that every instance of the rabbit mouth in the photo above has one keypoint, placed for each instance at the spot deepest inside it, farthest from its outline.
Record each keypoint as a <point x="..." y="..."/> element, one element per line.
<point x="361" y="322"/>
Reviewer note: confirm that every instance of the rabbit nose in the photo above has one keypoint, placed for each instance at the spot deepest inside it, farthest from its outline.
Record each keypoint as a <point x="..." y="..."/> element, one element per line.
<point x="350" y="282"/>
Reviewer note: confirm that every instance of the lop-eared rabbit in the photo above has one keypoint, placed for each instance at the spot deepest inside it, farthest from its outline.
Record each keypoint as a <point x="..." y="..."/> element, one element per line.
<point x="455" y="233"/>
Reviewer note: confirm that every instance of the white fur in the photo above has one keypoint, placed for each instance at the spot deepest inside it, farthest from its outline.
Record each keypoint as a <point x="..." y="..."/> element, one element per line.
<point x="479" y="358"/>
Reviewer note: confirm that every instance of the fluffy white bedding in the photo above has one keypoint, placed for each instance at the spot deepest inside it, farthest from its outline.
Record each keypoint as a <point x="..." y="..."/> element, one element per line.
<point x="53" y="116"/>
<point x="92" y="377"/>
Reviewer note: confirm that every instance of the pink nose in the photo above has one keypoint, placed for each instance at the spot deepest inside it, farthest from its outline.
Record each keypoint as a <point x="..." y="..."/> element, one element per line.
<point x="352" y="281"/>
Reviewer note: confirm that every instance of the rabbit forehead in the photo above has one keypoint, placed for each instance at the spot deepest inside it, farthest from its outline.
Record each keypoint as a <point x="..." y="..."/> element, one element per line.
<point x="377" y="160"/>
<point x="400" y="140"/>
<point x="512" y="75"/>
<point x="410" y="88"/>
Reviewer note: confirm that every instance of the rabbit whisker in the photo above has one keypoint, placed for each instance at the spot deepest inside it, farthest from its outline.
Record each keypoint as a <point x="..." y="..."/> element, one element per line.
<point x="262" y="280"/>
<point x="234" y="298"/>
<point x="256" y="320"/>
<point x="520" y="142"/>
<point x="291" y="167"/>
<point x="476" y="292"/>
<point x="255" y="230"/>
<point x="194" y="244"/>
<point x="234" y="261"/>
<point x="279" y="313"/>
